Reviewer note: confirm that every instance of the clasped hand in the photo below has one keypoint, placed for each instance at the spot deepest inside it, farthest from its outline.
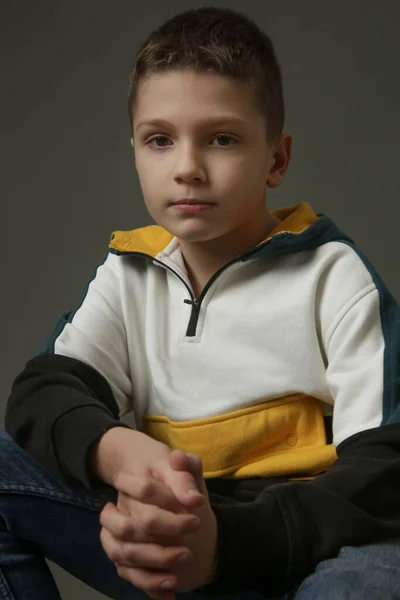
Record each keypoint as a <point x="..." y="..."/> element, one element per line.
<point x="162" y="535"/>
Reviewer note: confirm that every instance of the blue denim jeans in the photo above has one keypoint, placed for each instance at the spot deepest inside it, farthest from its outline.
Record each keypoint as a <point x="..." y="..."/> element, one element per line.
<point x="40" y="517"/>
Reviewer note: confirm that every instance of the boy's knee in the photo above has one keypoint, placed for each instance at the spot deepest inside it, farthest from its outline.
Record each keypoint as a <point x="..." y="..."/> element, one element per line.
<point x="362" y="573"/>
<point x="7" y="444"/>
<point x="334" y="585"/>
<point x="14" y="461"/>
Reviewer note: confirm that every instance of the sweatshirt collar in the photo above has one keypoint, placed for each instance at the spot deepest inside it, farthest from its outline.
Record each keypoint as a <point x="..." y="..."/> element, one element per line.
<point x="154" y="239"/>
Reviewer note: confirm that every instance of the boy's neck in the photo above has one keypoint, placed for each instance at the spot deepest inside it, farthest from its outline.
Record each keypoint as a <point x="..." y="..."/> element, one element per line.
<point x="203" y="259"/>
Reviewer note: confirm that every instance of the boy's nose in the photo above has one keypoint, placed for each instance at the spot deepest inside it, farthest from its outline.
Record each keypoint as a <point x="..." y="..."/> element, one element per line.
<point x="189" y="167"/>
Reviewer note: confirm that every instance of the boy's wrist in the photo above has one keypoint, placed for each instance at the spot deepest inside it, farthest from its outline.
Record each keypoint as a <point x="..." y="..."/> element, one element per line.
<point x="121" y="448"/>
<point x="106" y="453"/>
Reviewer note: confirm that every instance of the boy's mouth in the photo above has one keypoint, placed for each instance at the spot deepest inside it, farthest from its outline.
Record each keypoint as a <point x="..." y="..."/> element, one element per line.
<point x="191" y="205"/>
<point x="190" y="201"/>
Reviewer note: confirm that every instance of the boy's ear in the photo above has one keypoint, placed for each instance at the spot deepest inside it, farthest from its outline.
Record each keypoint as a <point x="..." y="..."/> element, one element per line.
<point x="132" y="142"/>
<point x="282" y="150"/>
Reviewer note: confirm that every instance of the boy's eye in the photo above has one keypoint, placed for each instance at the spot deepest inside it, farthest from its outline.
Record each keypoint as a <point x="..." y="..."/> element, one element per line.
<point x="158" y="138"/>
<point x="161" y="141"/>
<point x="224" y="139"/>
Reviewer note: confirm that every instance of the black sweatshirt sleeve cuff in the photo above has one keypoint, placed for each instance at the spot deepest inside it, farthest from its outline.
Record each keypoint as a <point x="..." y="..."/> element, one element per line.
<point x="73" y="434"/>
<point x="253" y="548"/>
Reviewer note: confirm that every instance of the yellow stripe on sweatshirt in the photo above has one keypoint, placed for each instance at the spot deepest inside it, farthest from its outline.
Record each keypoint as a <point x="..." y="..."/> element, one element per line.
<point x="280" y="437"/>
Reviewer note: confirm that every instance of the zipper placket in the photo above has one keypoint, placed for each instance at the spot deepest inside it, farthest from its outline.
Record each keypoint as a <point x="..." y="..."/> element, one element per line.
<point x="195" y="302"/>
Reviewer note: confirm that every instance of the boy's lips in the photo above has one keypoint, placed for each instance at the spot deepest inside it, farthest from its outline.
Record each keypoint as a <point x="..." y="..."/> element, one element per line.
<point x="186" y="201"/>
<point x="191" y="205"/>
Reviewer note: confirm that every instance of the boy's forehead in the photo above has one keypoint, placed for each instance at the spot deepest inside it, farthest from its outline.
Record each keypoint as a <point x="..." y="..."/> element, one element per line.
<point x="205" y="96"/>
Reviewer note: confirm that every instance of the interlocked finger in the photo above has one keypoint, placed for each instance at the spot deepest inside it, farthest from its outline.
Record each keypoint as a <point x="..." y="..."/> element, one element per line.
<point x="150" y="556"/>
<point x="151" y="582"/>
<point x="147" y="523"/>
<point x="148" y="490"/>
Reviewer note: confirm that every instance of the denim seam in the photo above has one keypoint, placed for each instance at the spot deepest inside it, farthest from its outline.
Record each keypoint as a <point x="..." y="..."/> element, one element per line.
<point x="5" y="591"/>
<point x="51" y="494"/>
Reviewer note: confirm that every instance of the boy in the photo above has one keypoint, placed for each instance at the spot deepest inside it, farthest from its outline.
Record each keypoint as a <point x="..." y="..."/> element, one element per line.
<point x="238" y="335"/>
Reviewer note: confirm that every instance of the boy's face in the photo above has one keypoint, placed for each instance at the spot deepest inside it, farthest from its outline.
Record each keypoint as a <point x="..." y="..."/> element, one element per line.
<point x="202" y="136"/>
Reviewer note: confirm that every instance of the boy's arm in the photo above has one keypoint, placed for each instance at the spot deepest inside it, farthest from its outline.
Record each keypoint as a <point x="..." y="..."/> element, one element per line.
<point x="275" y="542"/>
<point x="272" y="544"/>
<point x="68" y="396"/>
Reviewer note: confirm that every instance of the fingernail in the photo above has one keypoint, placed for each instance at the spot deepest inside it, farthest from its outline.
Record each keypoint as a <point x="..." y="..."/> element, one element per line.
<point x="194" y="492"/>
<point x="193" y="527"/>
<point x="183" y="558"/>
<point x="167" y="584"/>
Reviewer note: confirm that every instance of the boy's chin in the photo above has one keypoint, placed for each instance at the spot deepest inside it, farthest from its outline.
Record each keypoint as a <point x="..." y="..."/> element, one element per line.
<point x="191" y="233"/>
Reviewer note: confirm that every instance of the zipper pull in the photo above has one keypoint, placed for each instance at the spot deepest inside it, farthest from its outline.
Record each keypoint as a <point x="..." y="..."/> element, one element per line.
<point x="194" y="302"/>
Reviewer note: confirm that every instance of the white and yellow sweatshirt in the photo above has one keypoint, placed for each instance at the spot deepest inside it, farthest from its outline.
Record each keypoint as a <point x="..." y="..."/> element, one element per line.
<point x="247" y="375"/>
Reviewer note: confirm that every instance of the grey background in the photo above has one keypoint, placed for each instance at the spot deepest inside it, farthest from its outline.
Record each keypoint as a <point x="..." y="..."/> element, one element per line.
<point x="67" y="173"/>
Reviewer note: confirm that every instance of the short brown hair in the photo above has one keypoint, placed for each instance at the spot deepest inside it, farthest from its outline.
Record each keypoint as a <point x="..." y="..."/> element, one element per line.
<point x="218" y="41"/>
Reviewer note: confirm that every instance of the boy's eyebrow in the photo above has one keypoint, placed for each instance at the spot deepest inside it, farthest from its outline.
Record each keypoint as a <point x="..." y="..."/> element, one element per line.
<point x="221" y="120"/>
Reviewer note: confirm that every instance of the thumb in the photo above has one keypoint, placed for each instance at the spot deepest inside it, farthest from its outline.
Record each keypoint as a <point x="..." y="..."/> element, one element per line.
<point x="185" y="480"/>
<point x="196" y="469"/>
